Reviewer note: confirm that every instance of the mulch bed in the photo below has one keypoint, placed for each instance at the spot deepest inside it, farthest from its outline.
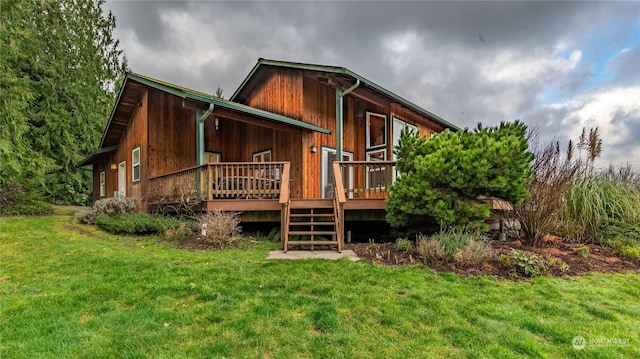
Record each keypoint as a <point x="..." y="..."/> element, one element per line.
<point x="598" y="258"/>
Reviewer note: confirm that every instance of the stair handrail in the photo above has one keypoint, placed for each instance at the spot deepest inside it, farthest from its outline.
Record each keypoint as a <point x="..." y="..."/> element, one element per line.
<point x="284" y="202"/>
<point x="339" y="199"/>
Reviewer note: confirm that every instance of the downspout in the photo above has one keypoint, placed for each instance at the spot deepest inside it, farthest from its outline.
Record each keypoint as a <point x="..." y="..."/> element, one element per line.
<point x="200" y="135"/>
<point x="339" y="116"/>
<point x="200" y="146"/>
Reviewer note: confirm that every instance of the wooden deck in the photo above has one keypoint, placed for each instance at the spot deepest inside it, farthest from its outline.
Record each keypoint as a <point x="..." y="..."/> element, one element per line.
<point x="261" y="192"/>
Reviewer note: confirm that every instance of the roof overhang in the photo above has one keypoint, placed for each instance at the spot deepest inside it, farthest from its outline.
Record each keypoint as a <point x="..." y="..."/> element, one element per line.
<point x="89" y="160"/>
<point x="341" y="76"/>
<point x="132" y="90"/>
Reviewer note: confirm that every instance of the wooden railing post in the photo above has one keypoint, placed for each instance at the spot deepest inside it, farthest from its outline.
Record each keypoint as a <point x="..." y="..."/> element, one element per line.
<point x="284" y="203"/>
<point x="339" y="200"/>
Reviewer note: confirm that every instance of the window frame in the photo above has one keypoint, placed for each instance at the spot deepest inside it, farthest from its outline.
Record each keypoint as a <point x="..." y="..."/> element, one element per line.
<point x="134" y="165"/>
<point x="261" y="154"/>
<point x="405" y="124"/>
<point x="368" y="145"/>
<point x="103" y="184"/>
<point x="370" y="171"/>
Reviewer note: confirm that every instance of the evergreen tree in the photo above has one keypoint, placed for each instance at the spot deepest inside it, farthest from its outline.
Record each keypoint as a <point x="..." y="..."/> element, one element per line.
<point x="440" y="180"/>
<point x="59" y="67"/>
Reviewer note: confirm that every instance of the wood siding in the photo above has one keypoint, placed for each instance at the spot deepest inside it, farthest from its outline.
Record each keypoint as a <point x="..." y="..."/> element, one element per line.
<point x="281" y="93"/>
<point x="172" y="134"/>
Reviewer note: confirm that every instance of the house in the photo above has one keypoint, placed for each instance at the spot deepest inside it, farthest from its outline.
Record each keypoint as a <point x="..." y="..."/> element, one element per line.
<point x="270" y="151"/>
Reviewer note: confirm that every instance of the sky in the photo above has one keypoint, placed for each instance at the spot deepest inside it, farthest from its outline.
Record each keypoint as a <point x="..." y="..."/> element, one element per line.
<point x="557" y="66"/>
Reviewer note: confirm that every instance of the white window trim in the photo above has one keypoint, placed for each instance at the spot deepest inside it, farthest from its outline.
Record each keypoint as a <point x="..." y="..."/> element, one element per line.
<point x="324" y="176"/>
<point x="370" y="158"/>
<point x="103" y="181"/>
<point x="404" y="124"/>
<point x="261" y="155"/>
<point x="368" y="132"/>
<point x="134" y="165"/>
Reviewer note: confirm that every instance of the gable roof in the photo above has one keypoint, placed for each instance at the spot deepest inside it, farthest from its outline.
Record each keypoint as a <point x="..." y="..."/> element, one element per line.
<point x="131" y="90"/>
<point x="245" y="87"/>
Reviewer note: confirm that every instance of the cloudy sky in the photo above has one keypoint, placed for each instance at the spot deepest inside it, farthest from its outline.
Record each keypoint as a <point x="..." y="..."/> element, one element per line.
<point x="558" y="66"/>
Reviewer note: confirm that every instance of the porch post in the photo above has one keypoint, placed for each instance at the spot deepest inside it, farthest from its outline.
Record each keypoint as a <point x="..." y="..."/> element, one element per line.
<point x="199" y="151"/>
<point x="339" y="123"/>
<point x="200" y="117"/>
<point x="340" y="115"/>
<point x="199" y="138"/>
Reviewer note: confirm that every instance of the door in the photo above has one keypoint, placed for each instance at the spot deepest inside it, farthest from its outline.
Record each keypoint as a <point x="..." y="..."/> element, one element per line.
<point x="327" y="181"/>
<point x="122" y="179"/>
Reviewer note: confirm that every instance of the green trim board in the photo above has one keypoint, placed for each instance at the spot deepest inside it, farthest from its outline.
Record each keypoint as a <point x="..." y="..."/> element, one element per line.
<point x="234" y="106"/>
<point x="197" y="96"/>
<point x="346" y="72"/>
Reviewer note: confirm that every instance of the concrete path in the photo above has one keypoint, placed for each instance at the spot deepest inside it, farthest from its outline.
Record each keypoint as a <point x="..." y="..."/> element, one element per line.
<point x="299" y="254"/>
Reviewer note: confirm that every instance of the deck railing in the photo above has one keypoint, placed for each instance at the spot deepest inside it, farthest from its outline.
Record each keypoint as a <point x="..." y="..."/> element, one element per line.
<point x="367" y="179"/>
<point x="224" y="180"/>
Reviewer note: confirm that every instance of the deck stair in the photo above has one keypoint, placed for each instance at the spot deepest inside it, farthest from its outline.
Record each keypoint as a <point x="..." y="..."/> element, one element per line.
<point x="312" y="223"/>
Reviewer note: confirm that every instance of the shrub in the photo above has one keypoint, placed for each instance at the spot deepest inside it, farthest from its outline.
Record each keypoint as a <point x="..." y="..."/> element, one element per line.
<point x="140" y="223"/>
<point x="521" y="263"/>
<point x="625" y="247"/>
<point x="464" y="248"/>
<point x="220" y="228"/>
<point x="541" y="213"/>
<point x="403" y="245"/>
<point x="430" y="250"/>
<point x="107" y="206"/>
<point x="474" y="253"/>
<point x="441" y="179"/>
<point x="595" y="202"/>
<point x="452" y="240"/>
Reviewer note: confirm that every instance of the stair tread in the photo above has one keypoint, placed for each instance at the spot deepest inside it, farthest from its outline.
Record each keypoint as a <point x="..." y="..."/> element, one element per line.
<point x="302" y="215"/>
<point x="329" y="223"/>
<point x="316" y="233"/>
<point x="311" y="242"/>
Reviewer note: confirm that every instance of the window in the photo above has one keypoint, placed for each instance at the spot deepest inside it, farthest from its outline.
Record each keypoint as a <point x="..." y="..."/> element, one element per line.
<point x="432" y="135"/>
<point x="398" y="126"/>
<point x="264" y="156"/>
<point x="377" y="174"/>
<point x="376" y="130"/>
<point x="102" y="184"/>
<point x="327" y="181"/>
<point x="135" y="164"/>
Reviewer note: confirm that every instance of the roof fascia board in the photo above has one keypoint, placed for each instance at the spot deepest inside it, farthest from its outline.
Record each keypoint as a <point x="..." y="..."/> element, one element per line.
<point x="113" y="110"/>
<point x="87" y="161"/>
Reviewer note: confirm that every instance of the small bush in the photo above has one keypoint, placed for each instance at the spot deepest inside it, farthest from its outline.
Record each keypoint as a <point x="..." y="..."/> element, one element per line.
<point x="135" y="223"/>
<point x="521" y="263"/>
<point x="141" y="223"/>
<point x="452" y="240"/>
<point x="625" y="247"/>
<point x="176" y="230"/>
<point x="107" y="206"/>
<point x="403" y="245"/>
<point x="430" y="250"/>
<point x="594" y="202"/>
<point x="474" y="253"/>
<point x="220" y="228"/>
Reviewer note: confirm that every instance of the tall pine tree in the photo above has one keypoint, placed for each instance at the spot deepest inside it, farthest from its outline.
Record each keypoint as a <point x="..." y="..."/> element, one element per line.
<point x="59" y="66"/>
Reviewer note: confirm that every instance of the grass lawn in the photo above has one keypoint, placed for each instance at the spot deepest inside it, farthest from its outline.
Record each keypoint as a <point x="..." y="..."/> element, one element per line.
<point x="71" y="293"/>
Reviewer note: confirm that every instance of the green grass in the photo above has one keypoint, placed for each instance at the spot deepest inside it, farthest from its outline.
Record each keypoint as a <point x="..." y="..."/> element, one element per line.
<point x="79" y="292"/>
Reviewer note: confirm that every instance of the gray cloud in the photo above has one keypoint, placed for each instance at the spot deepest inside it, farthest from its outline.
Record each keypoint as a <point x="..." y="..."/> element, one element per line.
<point x="468" y="62"/>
